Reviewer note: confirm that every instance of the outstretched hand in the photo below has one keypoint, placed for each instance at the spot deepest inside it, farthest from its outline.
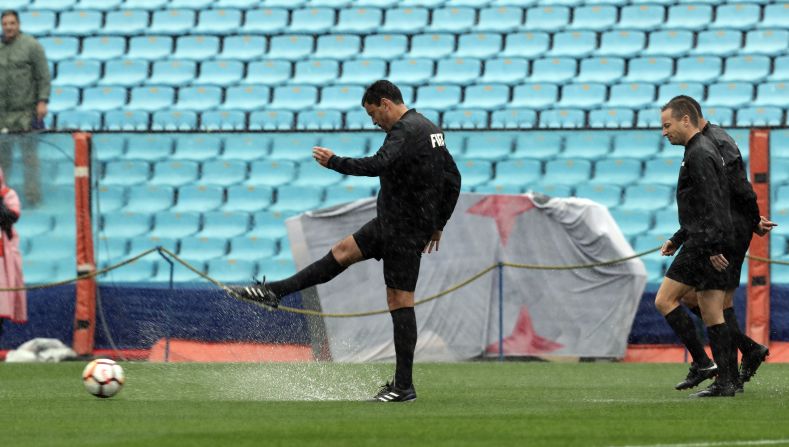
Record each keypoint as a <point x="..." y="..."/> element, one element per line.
<point x="434" y="239"/>
<point x="322" y="155"/>
<point x="764" y="226"/>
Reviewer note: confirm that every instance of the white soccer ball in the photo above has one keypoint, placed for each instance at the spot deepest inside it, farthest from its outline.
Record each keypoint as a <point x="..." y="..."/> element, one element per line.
<point x="103" y="378"/>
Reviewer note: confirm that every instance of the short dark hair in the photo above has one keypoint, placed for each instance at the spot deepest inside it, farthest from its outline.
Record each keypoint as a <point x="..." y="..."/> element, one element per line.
<point x="695" y="103"/>
<point x="9" y="12"/>
<point x="681" y="107"/>
<point x="379" y="90"/>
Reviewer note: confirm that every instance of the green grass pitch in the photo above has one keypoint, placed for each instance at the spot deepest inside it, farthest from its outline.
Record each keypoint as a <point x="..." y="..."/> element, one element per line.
<point x="320" y="404"/>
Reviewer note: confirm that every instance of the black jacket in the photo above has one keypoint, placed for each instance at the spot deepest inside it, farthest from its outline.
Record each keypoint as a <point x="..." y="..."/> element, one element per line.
<point x="420" y="182"/>
<point x="703" y="199"/>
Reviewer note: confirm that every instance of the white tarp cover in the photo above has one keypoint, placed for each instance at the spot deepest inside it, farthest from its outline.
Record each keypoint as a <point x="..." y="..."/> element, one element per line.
<point x="581" y="312"/>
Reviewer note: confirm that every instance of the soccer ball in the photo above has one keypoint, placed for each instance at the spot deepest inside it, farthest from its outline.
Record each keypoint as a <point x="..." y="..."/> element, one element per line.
<point x="103" y="378"/>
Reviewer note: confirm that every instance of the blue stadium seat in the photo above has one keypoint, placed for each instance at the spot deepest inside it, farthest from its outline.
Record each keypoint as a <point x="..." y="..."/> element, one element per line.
<point x="220" y="72"/>
<point x="198" y="98"/>
<point x="311" y="173"/>
<point x="126" y="120"/>
<point x="265" y="21"/>
<point x="672" y="43"/>
<point x="691" y="17"/>
<point x="277" y="268"/>
<point x="345" y="194"/>
<point x="58" y="48"/>
<point x="232" y="271"/>
<point x="723" y="116"/>
<point x="760" y="116"/>
<point x="666" y="222"/>
<point x="294" y="97"/>
<point x="662" y="171"/>
<point x="485" y="96"/>
<point x="594" y="17"/>
<point x="248" y="198"/>
<point x="452" y="20"/>
<point x="606" y="70"/>
<point x="432" y="46"/>
<point x="49" y="247"/>
<point x="63" y="98"/>
<point x="270" y="72"/>
<point x="77" y="72"/>
<point x="547" y="18"/>
<point x="110" y="249"/>
<point x="405" y="20"/>
<point x="224" y="224"/>
<point x="505" y="70"/>
<point x="632" y="222"/>
<point x="582" y="96"/>
<point x="557" y="69"/>
<point x="573" y="44"/>
<point x="103" y="48"/>
<point x="297" y="198"/>
<point x="172" y="120"/>
<point x="358" y="119"/>
<point x="125" y="22"/>
<point x="200" y="248"/>
<point x="150" y="47"/>
<point x="269" y="224"/>
<point x="172" y="72"/>
<point x="526" y="45"/>
<point x="609" y="196"/>
<point x="729" y="94"/>
<point x="465" y="119"/>
<point x="198" y="147"/>
<point x="122" y="224"/>
<point x="698" y="69"/>
<point x="150" y="5"/>
<point x="198" y="198"/>
<point x="149" y="147"/>
<point x="781" y="197"/>
<point x="316" y="72"/>
<point x="479" y="45"/>
<point x="772" y="42"/>
<point x="290" y="47"/>
<point x="79" y="23"/>
<point x="489" y="146"/>
<point x="149" y="199"/>
<point x="647" y="197"/>
<point x="550" y="189"/>
<point x="293" y="146"/>
<point x="217" y="21"/>
<point x="223" y="172"/>
<point x="359" y="20"/>
<point x="568" y="171"/>
<point x="746" y="68"/>
<point x="108" y="147"/>
<point x="246" y="147"/>
<point x="172" y="21"/>
<point x="251" y="248"/>
<point x="500" y="19"/>
<point x="191" y="4"/>
<point x="518" y="172"/>
<point x="319" y="120"/>
<point x="196" y="47"/>
<point x="271" y="120"/>
<point x="644" y="17"/>
<point x="631" y="95"/>
<point x="772" y="94"/>
<point x="587" y="145"/>
<point x="437" y="96"/>
<point x="337" y="46"/>
<point x="474" y="172"/>
<point x="621" y="43"/>
<point x="362" y="71"/>
<point x="535" y="96"/>
<point x="457" y="71"/>
<point x="53" y="5"/>
<point x="103" y="98"/>
<point x="638" y="144"/>
<point x="617" y="171"/>
<point x="174" y="173"/>
<point x="79" y="119"/>
<point x="776" y="15"/>
<point x="311" y="20"/>
<point x="649" y="69"/>
<point x="37" y="23"/>
<point x="739" y="16"/>
<point x="720" y="42"/>
<point x="562" y="119"/>
<point x="668" y="91"/>
<point x="341" y="97"/>
<point x="779" y="245"/>
<point x="780" y="69"/>
<point x="125" y="72"/>
<point x="348" y="144"/>
<point x="243" y="48"/>
<point x="611" y="118"/>
<point x="495" y="188"/>
<point x="779" y="145"/>
<point x="410" y="71"/>
<point x="513" y="118"/>
<point x="214" y="120"/>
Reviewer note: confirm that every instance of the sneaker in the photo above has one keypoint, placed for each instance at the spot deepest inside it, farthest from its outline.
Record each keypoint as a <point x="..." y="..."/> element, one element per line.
<point x="752" y="361"/>
<point x="717" y="389"/>
<point x="696" y="375"/>
<point x="258" y="292"/>
<point x="388" y="393"/>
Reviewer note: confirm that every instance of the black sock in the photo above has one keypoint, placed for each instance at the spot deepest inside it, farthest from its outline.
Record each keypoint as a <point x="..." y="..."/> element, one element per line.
<point x="741" y="341"/>
<point x="680" y="322"/>
<point x="318" y="272"/>
<point x="721" y="345"/>
<point x="404" y="322"/>
<point x="696" y="310"/>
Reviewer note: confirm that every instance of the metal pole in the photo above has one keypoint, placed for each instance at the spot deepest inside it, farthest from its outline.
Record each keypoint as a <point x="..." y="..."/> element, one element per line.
<point x="167" y="337"/>
<point x="501" y="312"/>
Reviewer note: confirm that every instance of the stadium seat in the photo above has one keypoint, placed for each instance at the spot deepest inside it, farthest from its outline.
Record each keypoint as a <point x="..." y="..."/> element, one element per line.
<point x="437" y="96"/>
<point x="644" y="17"/>
<point x="111" y="249"/>
<point x="517" y="172"/>
<point x="198" y="98"/>
<point x="150" y="47"/>
<point x="53" y="5"/>
<point x="172" y="72"/>
<point x="740" y="16"/>
<point x="174" y="120"/>
<point x="691" y="17"/>
<point x="647" y="197"/>
<point x="271" y="120"/>
<point x="270" y="72"/>
<point x="247" y="147"/>
<point x="149" y="199"/>
<point x="621" y="43"/>
<point x="108" y="147"/>
<point x="297" y="198"/>
<point x="58" y="48"/>
<point x="340" y="97"/>
<point x="293" y="146"/>
<point x="220" y="72"/>
<point x="316" y="72"/>
<point x="79" y="23"/>
<point x="311" y="173"/>
<point x="339" y="195"/>
<point x="649" y="69"/>
<point x="573" y="44"/>
<point x="151" y="147"/>
<point x="722" y="116"/>
<point x="172" y="21"/>
<point x="698" y="69"/>
<point x="605" y="70"/>
<point x="358" y="20"/>
<point x="474" y="172"/>
<point x="311" y="20"/>
<point x="126" y="120"/>
<point x="124" y="72"/>
<point x="617" y="171"/>
<point x="668" y="91"/>
<point x="500" y="19"/>
<point x="348" y="144"/>
<point x="479" y="45"/>
<point x="568" y="171"/>
<point x="489" y="146"/>
<point x="550" y="189"/>
<point x="673" y="43"/>
<point x="294" y="97"/>
<point x="760" y="116"/>
<point x="632" y="222"/>
<point x="776" y="15"/>
<point x="362" y="71"/>
<point x="431" y="46"/>
<point x="290" y="47"/>
<point x="121" y="225"/>
<point x="582" y="96"/>
<point x="103" y="48"/>
<point x="638" y="144"/>
<point x="405" y="20"/>
<point x="196" y="47"/>
<point x="729" y="94"/>
<point x="547" y="18"/>
<point x="197" y="147"/>
<point x="457" y="71"/>
<point x="150" y="5"/>
<point x="269" y="224"/>
<point x="198" y="198"/>
<point x="505" y="71"/>
<point x="319" y="120"/>
<point x="251" y="248"/>
<point x="200" y="248"/>
<point x="717" y="43"/>
<point x="191" y="4"/>
<point x="538" y="145"/>
<point x="277" y="268"/>
<point x="103" y="98"/>
<point x="224" y="224"/>
<point x="666" y="222"/>
<point x="594" y="17"/>
<point x="223" y="172"/>
<point x="513" y="118"/>
<point x="246" y="97"/>
<point x="485" y="96"/>
<point x="174" y="173"/>
<point x="230" y="271"/>
<point x="607" y="195"/>
<point x="612" y="118"/>
<point x="631" y="95"/>
<point x="779" y="145"/>
<point x="495" y="188"/>
<point x="586" y="145"/>
<point x="337" y="46"/>
<point x="525" y="44"/>
<point x="662" y="171"/>
<point x="562" y="119"/>
<point x="215" y="120"/>
<point x="454" y="19"/>
<point x="410" y="71"/>
<point x="772" y="94"/>
<point x="772" y="42"/>
<point x="79" y="120"/>
<point x="358" y="119"/>
<point x="557" y="70"/>
<point x="746" y="68"/>
<point x="265" y="21"/>
<point x="216" y="21"/>
<point x="125" y="22"/>
<point x="37" y="23"/>
<point x="243" y="48"/>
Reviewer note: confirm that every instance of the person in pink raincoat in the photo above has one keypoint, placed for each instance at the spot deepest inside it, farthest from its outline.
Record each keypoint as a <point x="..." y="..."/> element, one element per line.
<point x="13" y="305"/>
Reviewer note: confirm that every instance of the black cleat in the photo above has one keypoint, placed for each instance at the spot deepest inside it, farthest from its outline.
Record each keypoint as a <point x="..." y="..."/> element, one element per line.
<point x="739" y="386"/>
<point x="752" y="361"/>
<point x="389" y="393"/>
<point x="696" y="375"/>
<point x="717" y="389"/>
<point x="258" y="292"/>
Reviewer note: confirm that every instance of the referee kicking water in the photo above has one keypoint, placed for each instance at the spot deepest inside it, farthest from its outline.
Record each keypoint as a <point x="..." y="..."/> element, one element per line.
<point x="420" y="185"/>
<point x="702" y="263"/>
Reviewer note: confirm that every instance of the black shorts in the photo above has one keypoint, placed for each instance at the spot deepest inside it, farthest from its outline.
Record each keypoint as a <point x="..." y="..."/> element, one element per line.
<point x="401" y="256"/>
<point x="741" y="242"/>
<point x="694" y="269"/>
